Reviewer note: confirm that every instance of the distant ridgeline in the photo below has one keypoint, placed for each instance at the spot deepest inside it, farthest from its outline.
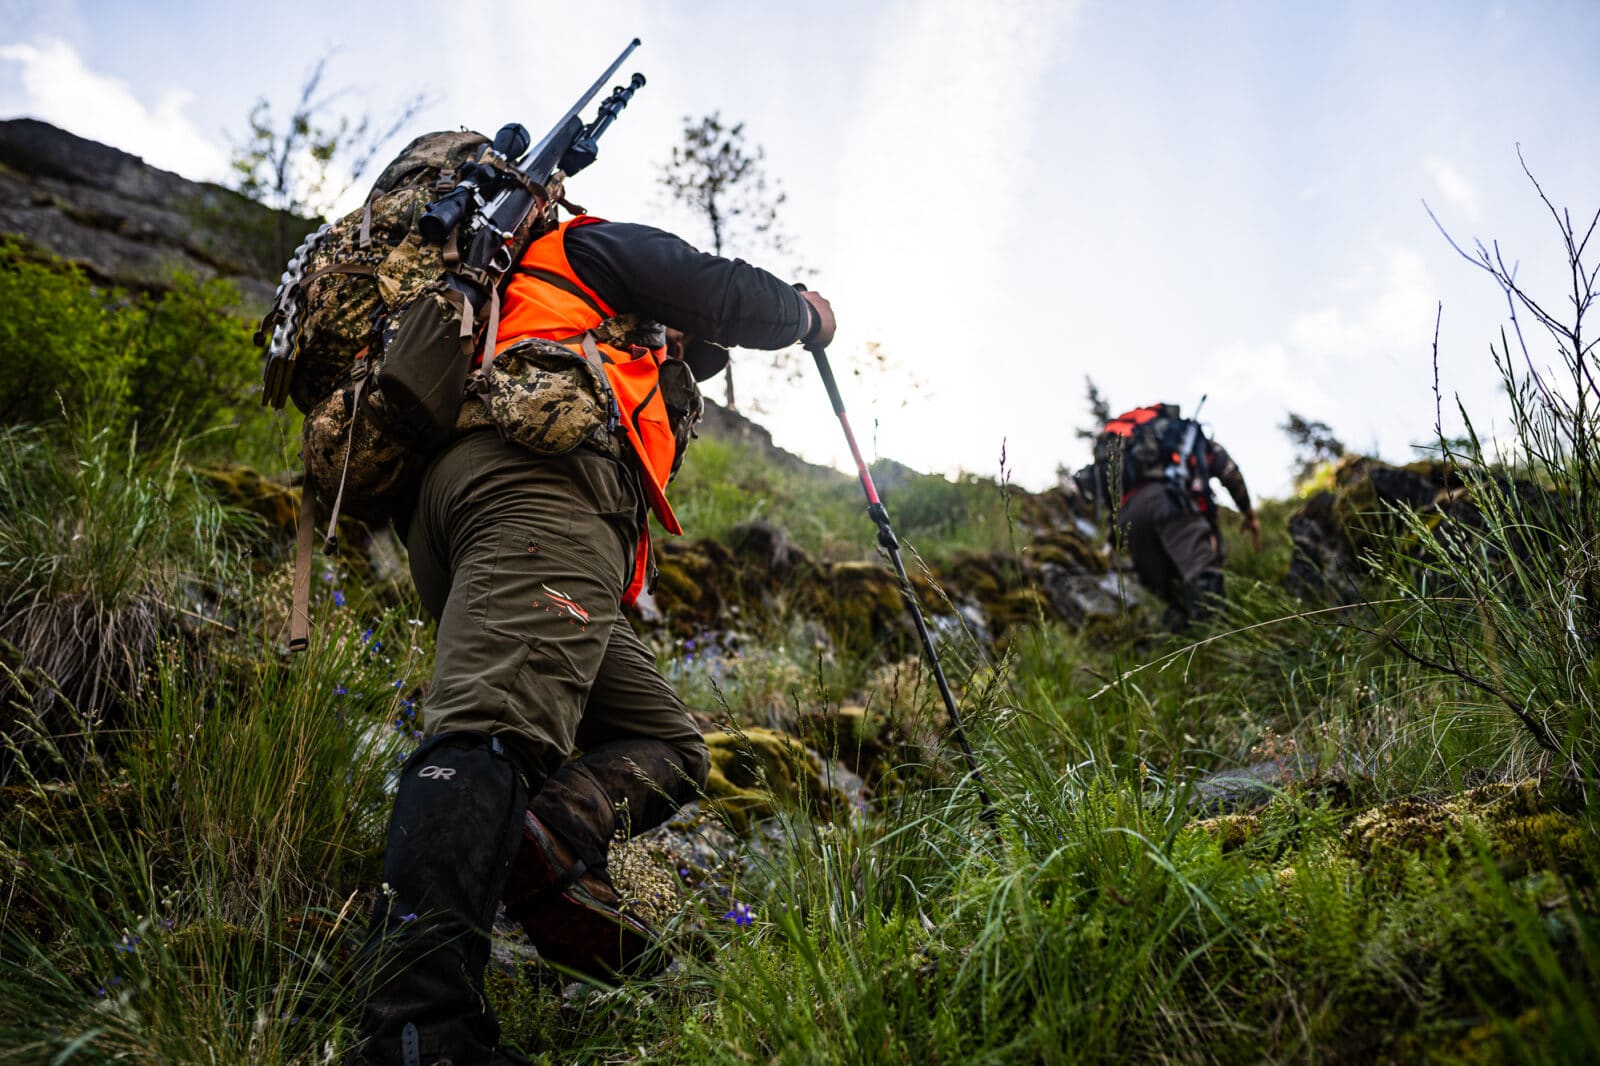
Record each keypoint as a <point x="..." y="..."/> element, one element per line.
<point x="127" y="223"/>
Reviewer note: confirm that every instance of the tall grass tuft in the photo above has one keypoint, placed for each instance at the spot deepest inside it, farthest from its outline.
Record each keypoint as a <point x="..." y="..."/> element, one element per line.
<point x="1502" y="590"/>
<point x="104" y="550"/>
<point x="200" y="900"/>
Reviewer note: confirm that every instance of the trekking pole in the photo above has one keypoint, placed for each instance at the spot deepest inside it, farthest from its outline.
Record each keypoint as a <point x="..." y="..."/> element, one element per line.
<point x="891" y="544"/>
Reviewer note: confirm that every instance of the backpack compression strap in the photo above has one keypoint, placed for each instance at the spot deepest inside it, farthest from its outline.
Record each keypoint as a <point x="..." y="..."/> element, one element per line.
<point x="300" y="608"/>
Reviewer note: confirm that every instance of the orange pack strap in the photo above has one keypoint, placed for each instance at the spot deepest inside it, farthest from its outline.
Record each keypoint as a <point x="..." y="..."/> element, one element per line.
<point x="641" y="566"/>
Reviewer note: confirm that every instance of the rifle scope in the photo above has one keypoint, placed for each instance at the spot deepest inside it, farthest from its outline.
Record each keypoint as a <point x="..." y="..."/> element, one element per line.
<point x="478" y="180"/>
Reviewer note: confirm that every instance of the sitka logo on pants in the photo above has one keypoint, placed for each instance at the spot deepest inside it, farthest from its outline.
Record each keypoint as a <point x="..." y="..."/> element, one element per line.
<point x="566" y="604"/>
<point x="439" y="773"/>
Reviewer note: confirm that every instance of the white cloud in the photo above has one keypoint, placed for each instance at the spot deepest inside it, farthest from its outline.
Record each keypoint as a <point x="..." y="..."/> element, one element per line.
<point x="1359" y="364"/>
<point x="1385" y="325"/>
<point x="57" y="88"/>
<point x="932" y="165"/>
<point x="1454" y="186"/>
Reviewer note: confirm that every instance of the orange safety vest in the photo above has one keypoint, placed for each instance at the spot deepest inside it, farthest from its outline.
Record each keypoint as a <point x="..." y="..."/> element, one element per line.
<point x="545" y="298"/>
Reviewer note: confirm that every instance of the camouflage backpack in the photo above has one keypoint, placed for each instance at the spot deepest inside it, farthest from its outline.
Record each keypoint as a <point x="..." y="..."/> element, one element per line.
<point x="1149" y="444"/>
<point x="372" y="337"/>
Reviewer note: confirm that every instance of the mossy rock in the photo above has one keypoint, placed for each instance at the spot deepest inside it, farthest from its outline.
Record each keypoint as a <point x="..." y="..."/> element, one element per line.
<point x="1520" y="820"/>
<point x="278" y="506"/>
<point x="861" y="605"/>
<point x="1230" y="831"/>
<point x="1019" y="607"/>
<point x="692" y="583"/>
<point x="1068" y="548"/>
<point x="1055" y="508"/>
<point x="979" y="577"/>
<point x="756" y="771"/>
<point x="276" y="503"/>
<point x="675" y="584"/>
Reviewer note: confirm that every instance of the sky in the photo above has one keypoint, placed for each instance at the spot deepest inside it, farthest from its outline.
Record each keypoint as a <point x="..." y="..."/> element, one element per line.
<point x="1001" y="199"/>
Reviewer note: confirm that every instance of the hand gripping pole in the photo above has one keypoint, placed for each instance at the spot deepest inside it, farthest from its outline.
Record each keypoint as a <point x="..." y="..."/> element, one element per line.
<point x="891" y="544"/>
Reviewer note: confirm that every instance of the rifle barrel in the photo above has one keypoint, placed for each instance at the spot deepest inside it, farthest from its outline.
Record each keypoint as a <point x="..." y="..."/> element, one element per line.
<point x="583" y="101"/>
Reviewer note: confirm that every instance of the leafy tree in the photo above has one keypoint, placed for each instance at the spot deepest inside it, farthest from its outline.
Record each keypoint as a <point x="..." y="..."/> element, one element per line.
<point x="1314" y="444"/>
<point x="725" y="183"/>
<point x="304" y="166"/>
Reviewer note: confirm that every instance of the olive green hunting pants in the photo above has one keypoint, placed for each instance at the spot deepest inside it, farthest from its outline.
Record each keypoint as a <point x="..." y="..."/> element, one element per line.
<point x="523" y="560"/>
<point x="1175" y="550"/>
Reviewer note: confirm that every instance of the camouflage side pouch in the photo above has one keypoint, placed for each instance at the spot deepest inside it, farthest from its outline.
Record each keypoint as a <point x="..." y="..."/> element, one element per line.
<point x="685" y="407"/>
<point x="422" y="374"/>
<point x="543" y="396"/>
<point x="352" y="460"/>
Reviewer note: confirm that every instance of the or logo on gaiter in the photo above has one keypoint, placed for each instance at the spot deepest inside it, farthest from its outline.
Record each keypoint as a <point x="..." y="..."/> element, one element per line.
<point x="441" y="773"/>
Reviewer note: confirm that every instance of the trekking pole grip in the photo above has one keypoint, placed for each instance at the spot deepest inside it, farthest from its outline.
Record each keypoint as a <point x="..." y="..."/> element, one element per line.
<point x="821" y="357"/>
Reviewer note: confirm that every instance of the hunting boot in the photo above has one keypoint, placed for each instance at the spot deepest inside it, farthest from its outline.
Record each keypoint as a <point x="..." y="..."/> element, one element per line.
<point x="455" y="829"/>
<point x="1202" y="597"/>
<point x="559" y="889"/>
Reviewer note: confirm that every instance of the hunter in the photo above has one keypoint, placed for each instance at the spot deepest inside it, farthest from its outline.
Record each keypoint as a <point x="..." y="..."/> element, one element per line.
<point x="549" y="731"/>
<point x="1168" y="517"/>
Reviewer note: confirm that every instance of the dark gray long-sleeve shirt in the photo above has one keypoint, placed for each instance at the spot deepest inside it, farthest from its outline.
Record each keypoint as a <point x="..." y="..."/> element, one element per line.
<point x="650" y="271"/>
<point x="1225" y="470"/>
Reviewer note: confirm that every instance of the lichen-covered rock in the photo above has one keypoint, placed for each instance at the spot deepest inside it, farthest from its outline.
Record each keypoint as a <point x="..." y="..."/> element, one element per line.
<point x="1359" y="509"/>
<point x="1230" y="831"/>
<point x="854" y="736"/>
<point x="1520" y="820"/>
<point x="754" y="771"/>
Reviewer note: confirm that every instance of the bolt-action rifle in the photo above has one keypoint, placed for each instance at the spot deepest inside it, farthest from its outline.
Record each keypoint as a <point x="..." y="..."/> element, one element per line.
<point x="487" y="208"/>
<point x="478" y="222"/>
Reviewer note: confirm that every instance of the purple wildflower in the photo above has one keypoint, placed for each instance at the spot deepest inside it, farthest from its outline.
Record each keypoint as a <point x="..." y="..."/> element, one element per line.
<point x="338" y="597"/>
<point x="740" y="915"/>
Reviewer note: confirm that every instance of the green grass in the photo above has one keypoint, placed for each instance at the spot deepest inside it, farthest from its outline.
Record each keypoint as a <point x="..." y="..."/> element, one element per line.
<point x="190" y="842"/>
<point x="726" y="482"/>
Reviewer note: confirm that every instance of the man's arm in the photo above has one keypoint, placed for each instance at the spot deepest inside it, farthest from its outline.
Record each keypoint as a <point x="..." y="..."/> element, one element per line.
<point x="648" y="270"/>
<point x="1225" y="470"/>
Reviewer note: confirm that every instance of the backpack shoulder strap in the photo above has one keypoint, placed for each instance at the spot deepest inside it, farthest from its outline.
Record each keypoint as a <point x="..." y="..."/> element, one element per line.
<point x="566" y="285"/>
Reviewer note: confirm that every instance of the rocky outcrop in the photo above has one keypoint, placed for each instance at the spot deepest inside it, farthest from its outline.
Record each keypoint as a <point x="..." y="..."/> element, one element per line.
<point x="127" y="223"/>
<point x="1363" y="510"/>
<point x="1334" y="527"/>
